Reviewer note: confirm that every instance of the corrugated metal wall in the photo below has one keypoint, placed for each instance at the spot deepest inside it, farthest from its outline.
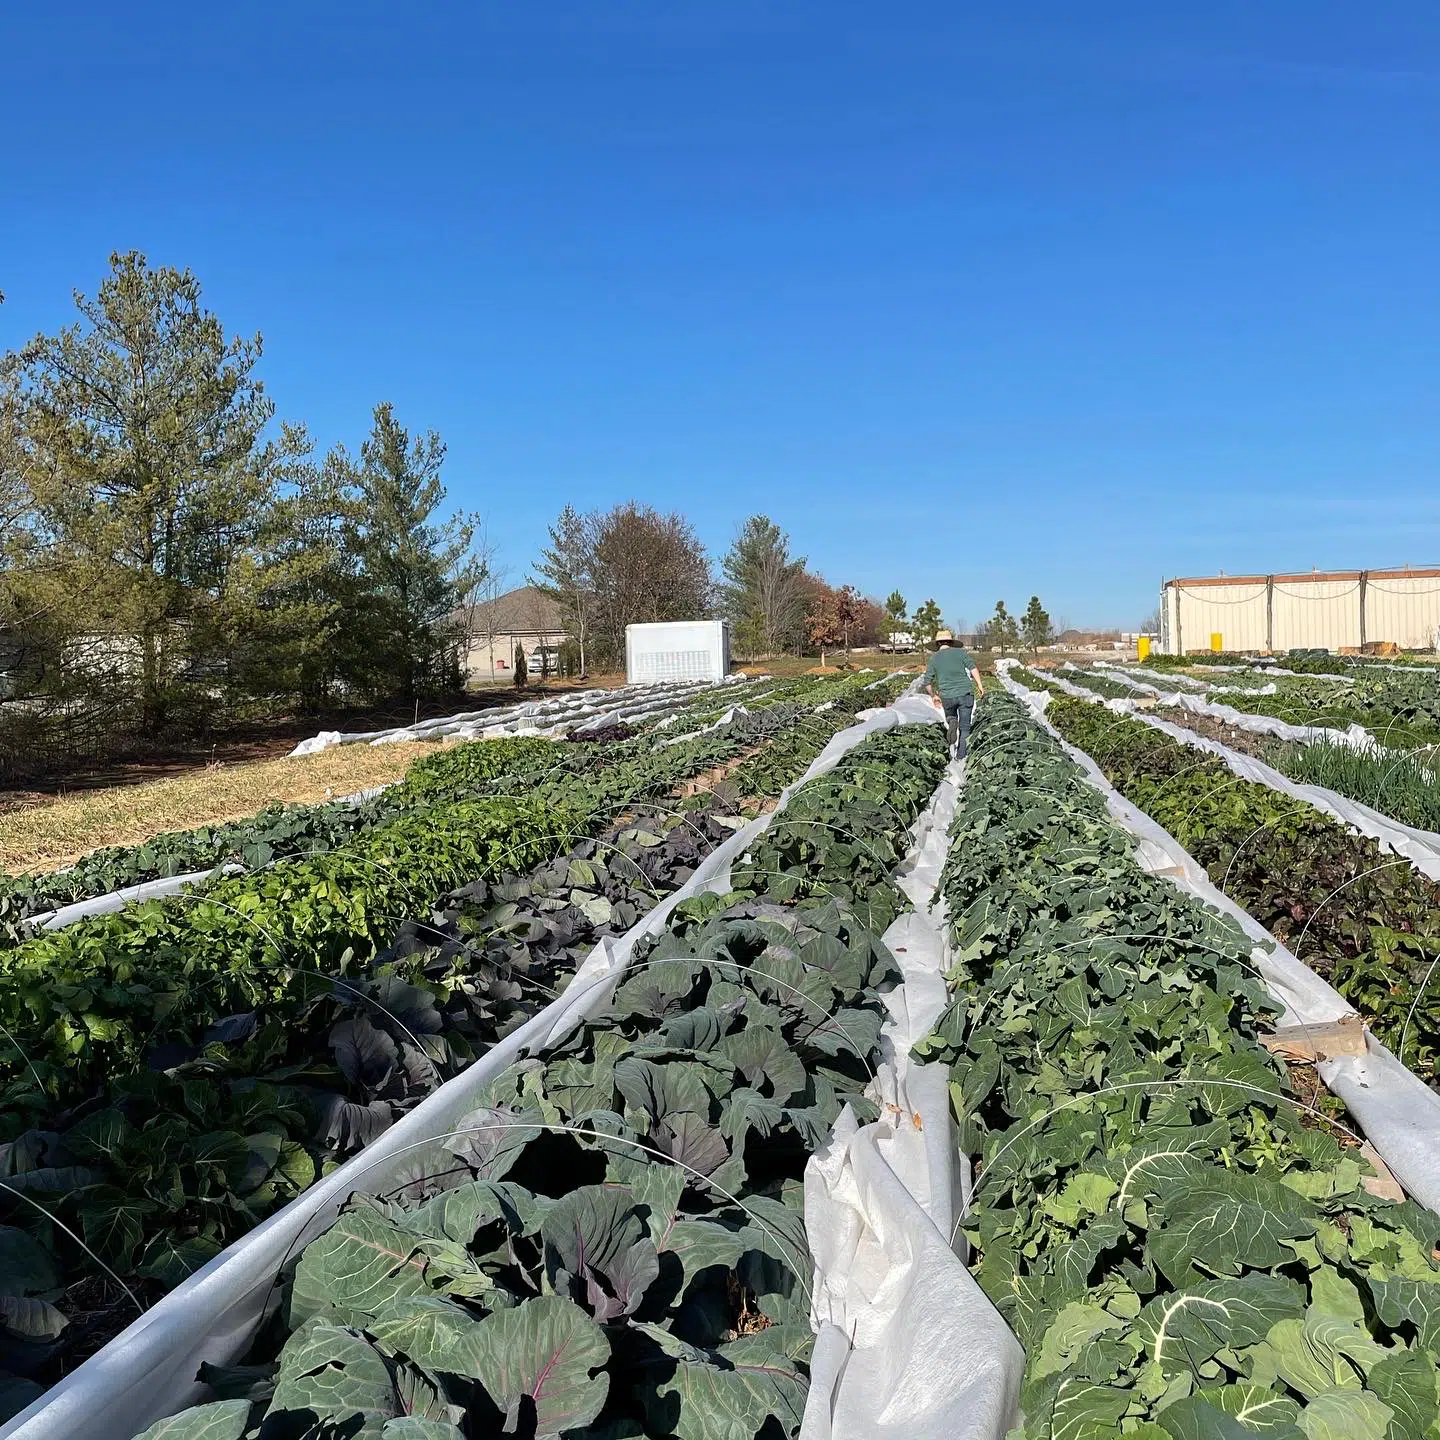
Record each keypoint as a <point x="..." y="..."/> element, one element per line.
<point x="1316" y="614"/>
<point x="1235" y="612"/>
<point x="1283" y="612"/>
<point x="1405" y="609"/>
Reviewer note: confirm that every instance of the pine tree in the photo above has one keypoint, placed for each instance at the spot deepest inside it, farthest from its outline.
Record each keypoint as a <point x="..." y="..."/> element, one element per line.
<point x="895" y="611"/>
<point x="1003" y="632"/>
<point x="566" y="572"/>
<point x="762" y="592"/>
<point x="925" y="622"/>
<point x="411" y="570"/>
<point x="150" y="478"/>
<point x="1035" y="625"/>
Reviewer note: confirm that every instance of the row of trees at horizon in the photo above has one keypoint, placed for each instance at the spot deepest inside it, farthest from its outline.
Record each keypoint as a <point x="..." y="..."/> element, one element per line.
<point x="609" y="569"/>
<point x="174" y="557"/>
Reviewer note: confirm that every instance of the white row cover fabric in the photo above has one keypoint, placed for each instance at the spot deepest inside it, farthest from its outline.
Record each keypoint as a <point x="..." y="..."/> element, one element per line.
<point x="575" y="705"/>
<point x="1398" y="1112"/>
<point x="1354" y="736"/>
<point x="119" y="899"/>
<point x="1420" y="847"/>
<point x="148" y="1371"/>
<point x="908" y="1346"/>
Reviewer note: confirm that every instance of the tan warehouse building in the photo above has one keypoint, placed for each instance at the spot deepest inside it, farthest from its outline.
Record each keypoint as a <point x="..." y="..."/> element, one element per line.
<point x="1324" y="609"/>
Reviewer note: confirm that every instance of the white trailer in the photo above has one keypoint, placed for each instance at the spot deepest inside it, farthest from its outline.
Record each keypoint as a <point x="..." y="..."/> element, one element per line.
<point x="677" y="650"/>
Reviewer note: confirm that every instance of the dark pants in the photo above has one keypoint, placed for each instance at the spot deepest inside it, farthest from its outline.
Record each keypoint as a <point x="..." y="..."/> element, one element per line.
<point x="957" y="723"/>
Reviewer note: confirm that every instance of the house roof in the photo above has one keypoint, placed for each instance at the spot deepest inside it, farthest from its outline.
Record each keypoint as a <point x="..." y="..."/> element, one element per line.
<point x="526" y="611"/>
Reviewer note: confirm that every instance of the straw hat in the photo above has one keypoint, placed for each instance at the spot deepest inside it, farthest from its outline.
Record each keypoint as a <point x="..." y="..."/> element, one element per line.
<point x="942" y="635"/>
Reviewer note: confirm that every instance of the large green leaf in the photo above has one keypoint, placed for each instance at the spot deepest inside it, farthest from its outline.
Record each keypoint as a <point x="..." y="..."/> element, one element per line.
<point x="1345" y="1415"/>
<point x="730" y="1396"/>
<point x="544" y="1353"/>
<point x="30" y="1318"/>
<point x="1185" y="1328"/>
<point x="767" y="1061"/>
<point x="1224" y="1226"/>
<point x="597" y="1250"/>
<point x="362" y="1262"/>
<point x="1196" y="1418"/>
<point x="1265" y="1411"/>
<point x="221" y="1420"/>
<point x="426" y="1328"/>
<point x="416" y="1427"/>
<point x="1065" y="1407"/>
<point x="1072" y="1329"/>
<point x="1407" y="1382"/>
<point x="339" y="1376"/>
<point x="1417" y="1303"/>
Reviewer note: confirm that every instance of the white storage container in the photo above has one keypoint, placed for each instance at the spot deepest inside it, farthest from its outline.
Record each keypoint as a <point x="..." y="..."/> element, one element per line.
<point x="677" y="650"/>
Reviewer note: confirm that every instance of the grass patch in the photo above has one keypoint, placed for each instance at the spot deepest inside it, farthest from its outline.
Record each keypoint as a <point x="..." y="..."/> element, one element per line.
<point x="45" y="837"/>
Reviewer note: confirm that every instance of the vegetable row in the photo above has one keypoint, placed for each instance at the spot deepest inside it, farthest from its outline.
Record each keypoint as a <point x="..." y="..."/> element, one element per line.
<point x="183" y="1122"/>
<point x="1357" y="914"/>
<point x="1183" y="1248"/>
<point x="613" y="1244"/>
<point x="285" y="831"/>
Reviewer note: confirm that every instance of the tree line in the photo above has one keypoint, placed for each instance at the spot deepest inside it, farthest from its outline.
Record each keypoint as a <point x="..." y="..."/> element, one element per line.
<point x="170" y="555"/>
<point x="631" y="564"/>
<point x="176" y="558"/>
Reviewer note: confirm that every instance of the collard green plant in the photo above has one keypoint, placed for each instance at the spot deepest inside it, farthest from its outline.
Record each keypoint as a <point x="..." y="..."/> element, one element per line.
<point x="1182" y="1248"/>
<point x="1362" y="917"/>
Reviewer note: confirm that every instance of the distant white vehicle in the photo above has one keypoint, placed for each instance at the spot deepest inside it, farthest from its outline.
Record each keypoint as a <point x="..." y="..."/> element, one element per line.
<point x="898" y="640"/>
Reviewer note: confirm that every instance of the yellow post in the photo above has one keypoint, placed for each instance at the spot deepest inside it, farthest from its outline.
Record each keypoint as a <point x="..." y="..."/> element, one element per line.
<point x="1142" y="648"/>
<point x="1215" y="644"/>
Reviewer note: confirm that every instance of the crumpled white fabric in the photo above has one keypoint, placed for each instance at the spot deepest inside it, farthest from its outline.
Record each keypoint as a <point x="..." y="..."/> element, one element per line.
<point x="148" y="1371"/>
<point x="1398" y="1112"/>
<point x="574" y="705"/>
<point x="1354" y="736"/>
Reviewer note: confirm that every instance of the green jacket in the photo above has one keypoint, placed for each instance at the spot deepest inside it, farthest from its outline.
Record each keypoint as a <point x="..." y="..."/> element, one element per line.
<point x="949" y="672"/>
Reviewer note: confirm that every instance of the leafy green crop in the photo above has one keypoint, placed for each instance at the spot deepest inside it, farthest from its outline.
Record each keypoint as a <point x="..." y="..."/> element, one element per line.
<point x="1404" y="786"/>
<point x="220" y="1127"/>
<point x="1101" y="684"/>
<point x="1360" y="916"/>
<point x="837" y="836"/>
<point x="277" y="832"/>
<point x="612" y="1244"/>
<point x="1183" y="1251"/>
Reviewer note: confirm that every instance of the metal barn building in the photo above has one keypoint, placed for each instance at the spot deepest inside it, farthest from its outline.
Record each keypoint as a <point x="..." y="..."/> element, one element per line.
<point x="1325" y="609"/>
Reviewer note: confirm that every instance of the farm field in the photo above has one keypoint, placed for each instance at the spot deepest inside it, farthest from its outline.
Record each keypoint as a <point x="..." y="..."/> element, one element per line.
<point x="1393" y="772"/>
<point x="1182" y="1248"/>
<point x="1179" y="1232"/>
<point x="1365" y="919"/>
<point x="161" y="1106"/>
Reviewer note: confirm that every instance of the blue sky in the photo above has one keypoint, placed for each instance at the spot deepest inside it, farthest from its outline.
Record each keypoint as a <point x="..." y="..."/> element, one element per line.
<point x="974" y="300"/>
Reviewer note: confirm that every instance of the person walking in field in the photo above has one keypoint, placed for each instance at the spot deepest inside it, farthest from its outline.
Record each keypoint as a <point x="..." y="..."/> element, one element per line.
<point x="953" y="681"/>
